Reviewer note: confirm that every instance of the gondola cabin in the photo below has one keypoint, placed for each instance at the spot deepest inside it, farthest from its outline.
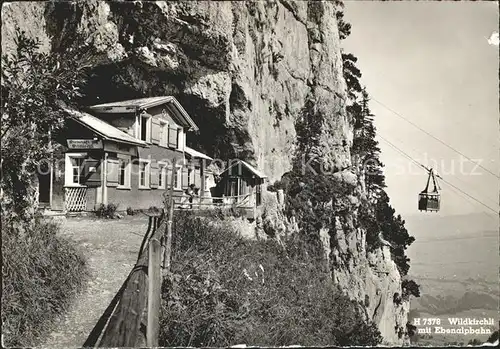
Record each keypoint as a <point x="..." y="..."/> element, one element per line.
<point x="430" y="201"/>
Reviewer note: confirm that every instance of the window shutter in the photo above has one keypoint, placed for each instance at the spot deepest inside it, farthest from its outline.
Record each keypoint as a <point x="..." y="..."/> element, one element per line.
<point x="184" y="178"/>
<point x="155" y="131"/>
<point x="83" y="171"/>
<point x="154" y="173"/>
<point x="137" y="127"/>
<point x="112" y="173"/>
<point x="88" y="177"/>
<point x="172" y="137"/>
<point x="179" y="138"/>
<point x="197" y="177"/>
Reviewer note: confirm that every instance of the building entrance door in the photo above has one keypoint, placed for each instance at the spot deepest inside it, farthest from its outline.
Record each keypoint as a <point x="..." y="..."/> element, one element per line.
<point x="44" y="184"/>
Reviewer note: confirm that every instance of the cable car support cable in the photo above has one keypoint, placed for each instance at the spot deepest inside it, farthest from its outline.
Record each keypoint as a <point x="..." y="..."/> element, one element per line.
<point x="427" y="169"/>
<point x="434" y="137"/>
<point x="409" y="157"/>
<point x="457" y="193"/>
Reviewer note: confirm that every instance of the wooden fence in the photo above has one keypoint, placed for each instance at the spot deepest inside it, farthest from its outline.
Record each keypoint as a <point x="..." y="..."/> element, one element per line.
<point x="132" y="317"/>
<point x="127" y="321"/>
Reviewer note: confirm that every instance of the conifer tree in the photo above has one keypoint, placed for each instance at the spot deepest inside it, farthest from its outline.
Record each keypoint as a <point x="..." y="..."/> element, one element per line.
<point x="366" y="146"/>
<point x="376" y="216"/>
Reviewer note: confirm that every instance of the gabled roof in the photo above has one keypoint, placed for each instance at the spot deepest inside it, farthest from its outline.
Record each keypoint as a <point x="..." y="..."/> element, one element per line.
<point x="196" y="154"/>
<point x="135" y="105"/>
<point x="249" y="167"/>
<point x="102" y="128"/>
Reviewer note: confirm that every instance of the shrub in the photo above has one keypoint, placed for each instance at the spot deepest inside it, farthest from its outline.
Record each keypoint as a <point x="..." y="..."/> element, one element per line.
<point x="475" y="341"/>
<point x="154" y="210"/>
<point x="226" y="290"/>
<point x="224" y="213"/>
<point x="35" y="86"/>
<point x="410" y="288"/>
<point x="106" y="211"/>
<point x="397" y="299"/>
<point x="276" y="186"/>
<point x="41" y="274"/>
<point x="130" y="211"/>
<point x="411" y="330"/>
<point x="382" y="218"/>
<point x="494" y="337"/>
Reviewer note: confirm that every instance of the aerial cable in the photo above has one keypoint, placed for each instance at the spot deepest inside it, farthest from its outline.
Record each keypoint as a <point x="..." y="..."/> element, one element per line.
<point x="402" y="152"/>
<point x="434" y="137"/>
<point x="409" y="157"/>
<point x="424" y="167"/>
<point x="470" y="196"/>
<point x="454" y="191"/>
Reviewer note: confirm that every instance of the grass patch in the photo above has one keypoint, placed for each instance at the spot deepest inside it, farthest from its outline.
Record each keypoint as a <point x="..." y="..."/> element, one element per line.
<point x="42" y="272"/>
<point x="225" y="290"/>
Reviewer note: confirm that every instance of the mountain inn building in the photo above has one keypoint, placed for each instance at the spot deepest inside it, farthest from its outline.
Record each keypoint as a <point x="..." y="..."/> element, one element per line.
<point x="123" y="153"/>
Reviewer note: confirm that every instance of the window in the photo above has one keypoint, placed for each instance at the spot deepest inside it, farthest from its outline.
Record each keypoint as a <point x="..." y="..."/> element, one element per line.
<point x="161" y="183"/>
<point x="123" y="171"/>
<point x="178" y="177"/>
<point x="74" y="168"/>
<point x="121" y="174"/>
<point x="162" y="176"/>
<point x="144" y="168"/>
<point x="144" y="128"/>
<point x="242" y="187"/>
<point x="163" y="133"/>
<point x="233" y="186"/>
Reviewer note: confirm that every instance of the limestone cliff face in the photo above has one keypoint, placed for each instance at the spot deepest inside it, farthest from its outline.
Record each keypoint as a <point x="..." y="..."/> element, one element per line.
<point x="243" y="71"/>
<point x="371" y="277"/>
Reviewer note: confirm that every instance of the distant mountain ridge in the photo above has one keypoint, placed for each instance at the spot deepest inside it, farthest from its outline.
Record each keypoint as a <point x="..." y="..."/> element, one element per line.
<point x="449" y="305"/>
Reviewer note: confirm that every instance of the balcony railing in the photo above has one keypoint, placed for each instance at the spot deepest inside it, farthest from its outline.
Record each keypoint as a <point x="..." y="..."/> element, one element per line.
<point x="184" y="202"/>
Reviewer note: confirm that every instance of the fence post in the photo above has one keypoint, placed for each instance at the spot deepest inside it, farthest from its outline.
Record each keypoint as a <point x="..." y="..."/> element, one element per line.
<point x="168" y="247"/>
<point x="170" y="216"/>
<point x="154" y="296"/>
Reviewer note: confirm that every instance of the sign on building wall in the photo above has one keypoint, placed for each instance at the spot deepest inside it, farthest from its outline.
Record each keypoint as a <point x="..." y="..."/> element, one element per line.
<point x="114" y="147"/>
<point x="84" y="144"/>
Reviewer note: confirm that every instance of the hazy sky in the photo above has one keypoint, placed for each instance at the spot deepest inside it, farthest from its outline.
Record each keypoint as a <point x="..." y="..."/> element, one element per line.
<point x="431" y="62"/>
